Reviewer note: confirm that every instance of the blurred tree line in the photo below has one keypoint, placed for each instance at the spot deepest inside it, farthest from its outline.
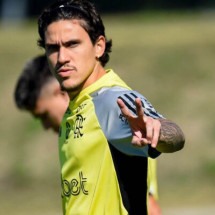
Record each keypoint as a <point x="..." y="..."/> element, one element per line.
<point x="31" y="8"/>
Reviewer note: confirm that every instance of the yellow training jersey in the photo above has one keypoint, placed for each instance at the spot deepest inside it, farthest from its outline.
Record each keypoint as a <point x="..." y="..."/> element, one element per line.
<point x="102" y="173"/>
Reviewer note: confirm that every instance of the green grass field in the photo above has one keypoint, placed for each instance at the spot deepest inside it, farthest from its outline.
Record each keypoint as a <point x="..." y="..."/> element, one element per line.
<point x="170" y="58"/>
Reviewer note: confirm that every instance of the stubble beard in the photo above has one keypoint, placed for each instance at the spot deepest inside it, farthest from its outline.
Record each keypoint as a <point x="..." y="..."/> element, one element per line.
<point x="73" y="90"/>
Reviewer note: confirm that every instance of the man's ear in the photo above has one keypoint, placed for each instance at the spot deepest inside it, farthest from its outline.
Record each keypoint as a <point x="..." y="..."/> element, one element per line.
<point x="100" y="46"/>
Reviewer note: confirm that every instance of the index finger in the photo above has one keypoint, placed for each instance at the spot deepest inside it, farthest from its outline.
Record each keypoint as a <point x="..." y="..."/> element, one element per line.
<point x="125" y="111"/>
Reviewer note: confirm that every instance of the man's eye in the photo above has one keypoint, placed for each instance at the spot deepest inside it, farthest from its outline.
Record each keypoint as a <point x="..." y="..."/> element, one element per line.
<point x="72" y="44"/>
<point x="52" y="48"/>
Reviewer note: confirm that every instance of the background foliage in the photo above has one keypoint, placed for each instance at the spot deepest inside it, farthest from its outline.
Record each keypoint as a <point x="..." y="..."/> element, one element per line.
<point x="169" y="57"/>
<point x="33" y="7"/>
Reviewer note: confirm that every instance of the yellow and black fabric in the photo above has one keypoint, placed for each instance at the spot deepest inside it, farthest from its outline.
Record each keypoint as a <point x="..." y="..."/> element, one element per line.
<point x="102" y="172"/>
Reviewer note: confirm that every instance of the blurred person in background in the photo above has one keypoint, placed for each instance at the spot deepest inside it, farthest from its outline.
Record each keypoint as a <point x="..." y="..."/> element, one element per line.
<point x="38" y="92"/>
<point x="108" y="130"/>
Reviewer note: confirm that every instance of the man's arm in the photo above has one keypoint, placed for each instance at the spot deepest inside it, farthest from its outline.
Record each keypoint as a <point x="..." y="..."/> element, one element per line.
<point x="171" y="137"/>
<point x="153" y="207"/>
<point x="162" y="134"/>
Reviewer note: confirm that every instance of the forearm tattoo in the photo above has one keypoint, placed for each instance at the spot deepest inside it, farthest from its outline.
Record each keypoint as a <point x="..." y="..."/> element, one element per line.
<point x="171" y="137"/>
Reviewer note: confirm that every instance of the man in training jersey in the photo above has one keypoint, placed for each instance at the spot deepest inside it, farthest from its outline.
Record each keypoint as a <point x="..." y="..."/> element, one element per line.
<point x="108" y="130"/>
<point x="38" y="92"/>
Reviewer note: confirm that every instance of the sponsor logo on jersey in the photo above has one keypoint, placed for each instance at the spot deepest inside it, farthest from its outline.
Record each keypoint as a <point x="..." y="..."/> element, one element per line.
<point x="75" y="186"/>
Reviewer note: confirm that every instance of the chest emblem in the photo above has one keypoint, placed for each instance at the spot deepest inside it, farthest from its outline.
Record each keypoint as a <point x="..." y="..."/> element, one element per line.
<point x="78" y="127"/>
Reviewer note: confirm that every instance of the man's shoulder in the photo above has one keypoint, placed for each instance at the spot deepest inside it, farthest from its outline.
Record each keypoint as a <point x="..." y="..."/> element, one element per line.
<point x="109" y="95"/>
<point x="115" y="92"/>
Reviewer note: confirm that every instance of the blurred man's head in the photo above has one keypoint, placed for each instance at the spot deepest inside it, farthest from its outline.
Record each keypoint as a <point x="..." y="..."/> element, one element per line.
<point x="38" y="92"/>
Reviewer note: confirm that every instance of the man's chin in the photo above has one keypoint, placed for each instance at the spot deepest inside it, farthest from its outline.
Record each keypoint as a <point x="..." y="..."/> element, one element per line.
<point x="69" y="88"/>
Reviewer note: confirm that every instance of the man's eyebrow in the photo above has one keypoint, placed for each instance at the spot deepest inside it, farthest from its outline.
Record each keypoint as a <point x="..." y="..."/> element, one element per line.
<point x="72" y="41"/>
<point x="51" y="45"/>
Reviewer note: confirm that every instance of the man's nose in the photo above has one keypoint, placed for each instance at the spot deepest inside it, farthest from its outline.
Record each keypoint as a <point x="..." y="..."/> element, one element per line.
<point x="63" y="55"/>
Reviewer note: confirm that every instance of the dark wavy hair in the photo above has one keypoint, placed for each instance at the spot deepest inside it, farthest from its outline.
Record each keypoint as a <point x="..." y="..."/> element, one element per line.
<point x="34" y="77"/>
<point x="75" y="9"/>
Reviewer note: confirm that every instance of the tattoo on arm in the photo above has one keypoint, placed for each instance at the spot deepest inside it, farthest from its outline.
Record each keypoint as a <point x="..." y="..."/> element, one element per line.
<point x="171" y="137"/>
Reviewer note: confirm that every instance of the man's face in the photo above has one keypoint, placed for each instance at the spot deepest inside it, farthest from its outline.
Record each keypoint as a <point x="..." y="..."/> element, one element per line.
<point x="71" y="54"/>
<point x="50" y="108"/>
